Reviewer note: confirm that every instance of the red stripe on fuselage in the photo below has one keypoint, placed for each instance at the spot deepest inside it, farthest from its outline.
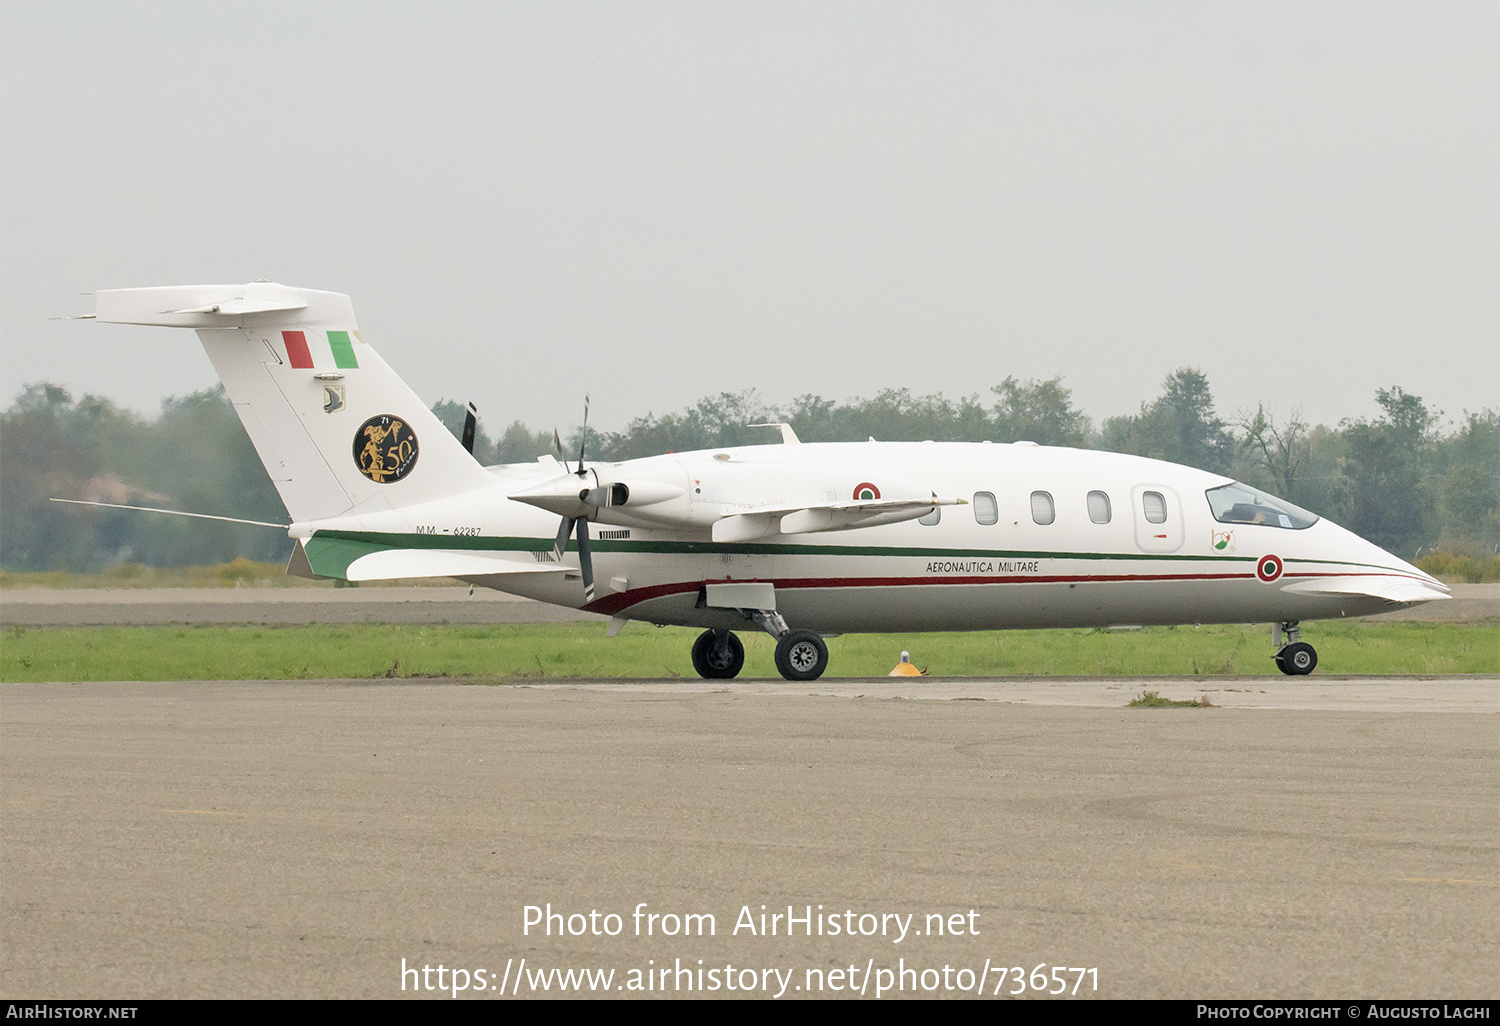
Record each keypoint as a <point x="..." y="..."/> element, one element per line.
<point x="615" y="603"/>
<point x="612" y="604"/>
<point x="296" y="349"/>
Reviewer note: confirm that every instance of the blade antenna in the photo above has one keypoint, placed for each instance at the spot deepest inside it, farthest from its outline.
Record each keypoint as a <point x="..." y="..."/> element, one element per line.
<point x="471" y="424"/>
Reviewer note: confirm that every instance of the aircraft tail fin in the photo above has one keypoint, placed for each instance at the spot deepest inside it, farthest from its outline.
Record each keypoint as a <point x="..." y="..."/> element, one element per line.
<point x="337" y="430"/>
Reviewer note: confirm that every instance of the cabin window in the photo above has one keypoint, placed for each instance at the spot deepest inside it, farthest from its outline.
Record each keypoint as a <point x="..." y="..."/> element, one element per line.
<point x="986" y="509"/>
<point x="1156" y="507"/>
<point x="1099" y="507"/>
<point x="931" y="518"/>
<point x="1240" y="504"/>
<point x="1042" y="510"/>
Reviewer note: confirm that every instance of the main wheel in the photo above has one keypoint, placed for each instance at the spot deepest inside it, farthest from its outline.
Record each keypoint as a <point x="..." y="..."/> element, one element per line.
<point x="801" y="655"/>
<point x="1297" y="659"/>
<point x="718" y="655"/>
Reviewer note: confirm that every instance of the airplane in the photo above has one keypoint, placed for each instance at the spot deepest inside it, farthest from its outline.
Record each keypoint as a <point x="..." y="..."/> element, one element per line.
<point x="801" y="540"/>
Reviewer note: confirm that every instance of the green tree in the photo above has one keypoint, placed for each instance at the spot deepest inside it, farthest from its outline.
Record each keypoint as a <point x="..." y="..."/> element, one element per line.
<point x="195" y="458"/>
<point x="1038" y="411"/>
<point x="1179" y="426"/>
<point x="519" y="445"/>
<point x="1278" y="451"/>
<point x="1469" y="508"/>
<point x="1389" y="499"/>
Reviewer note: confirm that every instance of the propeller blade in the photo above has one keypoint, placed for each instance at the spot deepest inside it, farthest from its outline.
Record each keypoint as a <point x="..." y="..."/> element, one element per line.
<point x="471" y="423"/>
<point x="584" y="439"/>
<point x="585" y="560"/>
<point x="562" y="538"/>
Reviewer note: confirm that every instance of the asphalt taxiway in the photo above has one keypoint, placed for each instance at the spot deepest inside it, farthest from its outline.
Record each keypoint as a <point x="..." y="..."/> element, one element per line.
<point x="300" y="839"/>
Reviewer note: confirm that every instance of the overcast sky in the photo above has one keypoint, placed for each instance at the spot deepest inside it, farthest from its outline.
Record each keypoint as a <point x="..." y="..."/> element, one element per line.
<point x="658" y="201"/>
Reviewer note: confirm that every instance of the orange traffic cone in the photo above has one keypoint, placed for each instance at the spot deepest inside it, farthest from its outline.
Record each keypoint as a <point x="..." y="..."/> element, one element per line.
<point x="904" y="668"/>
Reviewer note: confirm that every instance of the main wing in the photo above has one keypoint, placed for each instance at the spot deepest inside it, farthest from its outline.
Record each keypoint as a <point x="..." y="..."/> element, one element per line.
<point x="812" y="518"/>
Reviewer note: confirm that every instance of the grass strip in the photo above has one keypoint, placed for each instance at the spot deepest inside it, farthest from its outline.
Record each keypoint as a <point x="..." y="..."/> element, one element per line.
<point x="217" y="652"/>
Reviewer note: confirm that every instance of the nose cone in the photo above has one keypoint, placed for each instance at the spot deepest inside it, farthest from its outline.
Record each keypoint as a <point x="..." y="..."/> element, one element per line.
<point x="1380" y="558"/>
<point x="1346" y="565"/>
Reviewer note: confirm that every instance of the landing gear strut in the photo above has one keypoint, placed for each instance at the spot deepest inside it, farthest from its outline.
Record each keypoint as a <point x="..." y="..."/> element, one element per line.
<point x="1296" y="658"/>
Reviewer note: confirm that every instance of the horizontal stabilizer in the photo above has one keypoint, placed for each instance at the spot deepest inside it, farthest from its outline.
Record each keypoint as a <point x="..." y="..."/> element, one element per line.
<point x="222" y="306"/>
<point x="1396" y="590"/>
<point x="235" y="307"/>
<point x="392" y="564"/>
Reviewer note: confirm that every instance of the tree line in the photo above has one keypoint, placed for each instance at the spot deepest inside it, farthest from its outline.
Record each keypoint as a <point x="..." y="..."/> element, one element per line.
<point x="1406" y="479"/>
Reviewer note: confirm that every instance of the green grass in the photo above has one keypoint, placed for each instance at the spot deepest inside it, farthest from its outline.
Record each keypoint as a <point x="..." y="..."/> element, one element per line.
<point x="583" y="650"/>
<point x="1152" y="700"/>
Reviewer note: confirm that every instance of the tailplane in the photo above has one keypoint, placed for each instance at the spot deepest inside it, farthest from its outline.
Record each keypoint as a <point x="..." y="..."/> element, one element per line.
<point x="337" y="430"/>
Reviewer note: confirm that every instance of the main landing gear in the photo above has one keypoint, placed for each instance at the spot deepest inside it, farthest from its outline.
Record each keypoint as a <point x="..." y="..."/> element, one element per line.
<point x="1296" y="658"/>
<point x="718" y="655"/>
<point x="800" y="655"/>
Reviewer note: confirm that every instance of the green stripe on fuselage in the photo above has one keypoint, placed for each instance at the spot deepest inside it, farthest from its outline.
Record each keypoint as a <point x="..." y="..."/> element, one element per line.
<point x="331" y="552"/>
<point x="381" y="540"/>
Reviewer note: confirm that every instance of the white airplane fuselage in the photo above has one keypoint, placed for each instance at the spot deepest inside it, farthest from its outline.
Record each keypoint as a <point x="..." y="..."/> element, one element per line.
<point x="956" y="574"/>
<point x="799" y="540"/>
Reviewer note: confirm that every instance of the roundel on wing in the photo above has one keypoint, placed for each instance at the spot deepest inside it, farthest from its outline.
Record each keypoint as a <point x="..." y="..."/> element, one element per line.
<point x="385" y="449"/>
<point x="1269" y="568"/>
<point x="865" y="490"/>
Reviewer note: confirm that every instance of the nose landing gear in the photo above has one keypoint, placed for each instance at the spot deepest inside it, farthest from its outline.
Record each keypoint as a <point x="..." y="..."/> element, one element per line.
<point x="1296" y="658"/>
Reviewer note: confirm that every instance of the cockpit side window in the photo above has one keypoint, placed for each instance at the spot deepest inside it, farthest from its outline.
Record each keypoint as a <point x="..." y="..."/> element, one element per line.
<point x="1240" y="504"/>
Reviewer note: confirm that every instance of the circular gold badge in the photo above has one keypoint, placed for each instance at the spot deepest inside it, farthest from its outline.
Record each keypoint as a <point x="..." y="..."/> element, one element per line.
<point x="385" y="449"/>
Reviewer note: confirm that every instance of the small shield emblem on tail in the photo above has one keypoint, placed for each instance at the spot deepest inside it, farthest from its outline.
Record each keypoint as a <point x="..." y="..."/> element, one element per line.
<point x="333" y="398"/>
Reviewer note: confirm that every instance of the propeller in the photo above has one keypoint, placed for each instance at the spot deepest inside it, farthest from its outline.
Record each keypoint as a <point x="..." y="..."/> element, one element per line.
<point x="566" y="528"/>
<point x="471" y="424"/>
<point x="584" y="437"/>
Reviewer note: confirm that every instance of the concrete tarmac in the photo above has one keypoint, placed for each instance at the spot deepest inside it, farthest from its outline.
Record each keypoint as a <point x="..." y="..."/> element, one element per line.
<point x="300" y="839"/>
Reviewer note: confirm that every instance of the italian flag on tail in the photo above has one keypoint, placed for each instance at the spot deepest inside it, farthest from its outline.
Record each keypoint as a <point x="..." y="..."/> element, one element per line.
<point x="300" y="354"/>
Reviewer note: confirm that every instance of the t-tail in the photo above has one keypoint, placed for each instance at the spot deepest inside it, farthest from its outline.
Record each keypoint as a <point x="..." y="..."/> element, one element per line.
<point x="339" y="433"/>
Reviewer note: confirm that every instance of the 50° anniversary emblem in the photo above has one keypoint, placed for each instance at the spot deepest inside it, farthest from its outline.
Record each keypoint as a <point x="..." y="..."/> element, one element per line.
<point x="385" y="449"/>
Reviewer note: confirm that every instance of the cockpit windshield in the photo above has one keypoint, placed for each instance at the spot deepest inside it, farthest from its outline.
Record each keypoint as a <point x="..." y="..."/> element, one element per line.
<point x="1240" y="504"/>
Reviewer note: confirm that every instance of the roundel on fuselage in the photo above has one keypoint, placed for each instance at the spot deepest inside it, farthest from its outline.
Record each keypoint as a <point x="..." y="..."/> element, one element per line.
<point x="1269" y="568"/>
<point x="865" y="491"/>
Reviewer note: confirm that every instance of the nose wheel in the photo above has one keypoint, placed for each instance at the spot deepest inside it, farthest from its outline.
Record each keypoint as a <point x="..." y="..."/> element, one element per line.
<point x="1296" y="658"/>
